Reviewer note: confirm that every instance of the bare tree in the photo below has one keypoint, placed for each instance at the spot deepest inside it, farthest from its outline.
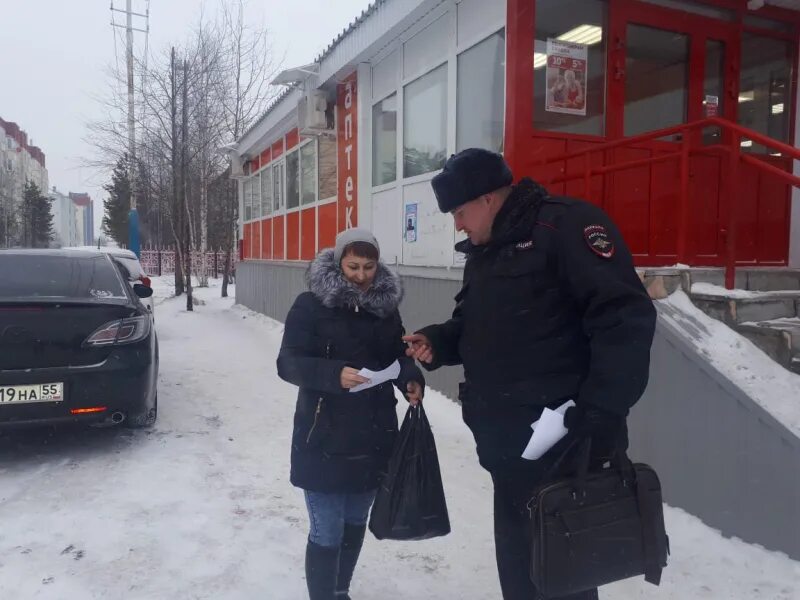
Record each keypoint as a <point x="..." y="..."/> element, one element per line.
<point x="194" y="99"/>
<point x="245" y="95"/>
<point x="209" y="125"/>
<point x="163" y="135"/>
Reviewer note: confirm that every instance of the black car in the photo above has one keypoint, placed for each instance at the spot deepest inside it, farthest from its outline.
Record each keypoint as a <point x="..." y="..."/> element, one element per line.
<point x="76" y="343"/>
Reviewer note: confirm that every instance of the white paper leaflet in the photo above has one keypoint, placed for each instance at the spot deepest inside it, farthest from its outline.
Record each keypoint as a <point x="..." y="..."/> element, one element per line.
<point x="378" y="377"/>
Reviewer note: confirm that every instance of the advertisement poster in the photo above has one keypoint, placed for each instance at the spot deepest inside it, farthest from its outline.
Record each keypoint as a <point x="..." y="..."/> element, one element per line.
<point x="567" y="66"/>
<point x="411" y="223"/>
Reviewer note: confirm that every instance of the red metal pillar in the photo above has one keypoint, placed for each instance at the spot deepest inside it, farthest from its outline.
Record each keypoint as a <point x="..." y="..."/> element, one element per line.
<point x="519" y="82"/>
<point x="733" y="206"/>
<point x="683" y="200"/>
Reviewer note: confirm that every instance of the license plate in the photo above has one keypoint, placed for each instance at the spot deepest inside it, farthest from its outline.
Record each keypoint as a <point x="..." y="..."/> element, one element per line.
<point x="40" y="392"/>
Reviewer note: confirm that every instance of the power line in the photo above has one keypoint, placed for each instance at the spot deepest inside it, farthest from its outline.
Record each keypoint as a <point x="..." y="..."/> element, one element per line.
<point x="114" y="34"/>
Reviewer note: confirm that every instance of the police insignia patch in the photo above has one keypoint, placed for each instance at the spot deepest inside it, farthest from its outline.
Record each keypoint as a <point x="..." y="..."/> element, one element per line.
<point x="596" y="237"/>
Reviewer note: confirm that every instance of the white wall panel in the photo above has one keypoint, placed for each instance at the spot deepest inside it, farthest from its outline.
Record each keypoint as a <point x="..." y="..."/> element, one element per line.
<point x="386" y="223"/>
<point x="434" y="245"/>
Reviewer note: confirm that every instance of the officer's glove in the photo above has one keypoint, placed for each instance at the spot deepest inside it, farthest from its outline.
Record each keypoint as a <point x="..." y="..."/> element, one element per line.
<point x="602" y="426"/>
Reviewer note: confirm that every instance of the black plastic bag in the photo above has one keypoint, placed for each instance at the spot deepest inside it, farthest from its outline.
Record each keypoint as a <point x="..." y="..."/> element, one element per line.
<point x="410" y="504"/>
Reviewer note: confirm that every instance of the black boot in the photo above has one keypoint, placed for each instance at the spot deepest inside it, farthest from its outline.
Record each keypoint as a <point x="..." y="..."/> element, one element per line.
<point x="321" y="566"/>
<point x="352" y="541"/>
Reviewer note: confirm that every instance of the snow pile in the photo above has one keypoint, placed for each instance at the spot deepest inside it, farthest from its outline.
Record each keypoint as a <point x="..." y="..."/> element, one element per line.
<point x="741" y="361"/>
<point x="200" y="507"/>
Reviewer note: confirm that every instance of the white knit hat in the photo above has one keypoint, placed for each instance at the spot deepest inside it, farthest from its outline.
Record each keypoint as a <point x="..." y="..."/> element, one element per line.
<point x="351" y="236"/>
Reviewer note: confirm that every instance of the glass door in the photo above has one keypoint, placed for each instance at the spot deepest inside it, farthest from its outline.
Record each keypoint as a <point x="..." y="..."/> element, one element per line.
<point x="673" y="67"/>
<point x="656" y="79"/>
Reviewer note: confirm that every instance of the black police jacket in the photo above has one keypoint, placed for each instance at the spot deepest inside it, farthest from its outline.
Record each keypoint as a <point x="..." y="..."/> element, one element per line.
<point x="551" y="309"/>
<point x="341" y="440"/>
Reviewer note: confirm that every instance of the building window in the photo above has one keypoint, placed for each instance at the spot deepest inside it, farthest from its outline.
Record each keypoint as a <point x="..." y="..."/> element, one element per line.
<point x="384" y="141"/>
<point x="327" y="167"/>
<point x="256" y="192"/>
<point x="277" y="186"/>
<point x="248" y="200"/>
<point x="426" y="48"/>
<point x="481" y="95"/>
<point x="761" y="23"/>
<point x="292" y="180"/>
<point x="308" y="172"/>
<point x="425" y="123"/>
<point x="266" y="192"/>
<point x="656" y="79"/>
<point x="765" y="88"/>
<point x="698" y="8"/>
<point x="579" y="22"/>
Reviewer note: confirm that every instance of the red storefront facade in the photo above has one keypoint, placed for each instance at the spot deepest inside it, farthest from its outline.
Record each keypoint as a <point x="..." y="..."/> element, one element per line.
<point x="658" y="64"/>
<point x="488" y="72"/>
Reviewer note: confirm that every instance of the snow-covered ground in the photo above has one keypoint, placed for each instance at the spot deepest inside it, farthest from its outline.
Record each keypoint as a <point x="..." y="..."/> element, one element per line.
<point x="200" y="506"/>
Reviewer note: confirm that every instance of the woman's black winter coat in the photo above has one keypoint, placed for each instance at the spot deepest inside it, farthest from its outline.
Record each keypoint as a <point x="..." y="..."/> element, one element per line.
<point x="342" y="441"/>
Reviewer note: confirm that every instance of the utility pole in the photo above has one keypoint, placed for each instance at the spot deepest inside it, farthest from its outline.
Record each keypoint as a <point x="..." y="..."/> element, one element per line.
<point x="133" y="215"/>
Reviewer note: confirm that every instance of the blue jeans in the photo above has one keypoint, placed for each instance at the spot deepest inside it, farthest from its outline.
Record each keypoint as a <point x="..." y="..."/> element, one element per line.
<point x="328" y="514"/>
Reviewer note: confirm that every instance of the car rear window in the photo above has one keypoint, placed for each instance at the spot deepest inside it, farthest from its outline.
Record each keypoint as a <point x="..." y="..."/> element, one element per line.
<point x="48" y="276"/>
<point x="132" y="266"/>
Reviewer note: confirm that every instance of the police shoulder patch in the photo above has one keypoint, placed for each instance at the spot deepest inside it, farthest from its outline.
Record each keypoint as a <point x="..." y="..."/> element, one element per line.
<point x="599" y="242"/>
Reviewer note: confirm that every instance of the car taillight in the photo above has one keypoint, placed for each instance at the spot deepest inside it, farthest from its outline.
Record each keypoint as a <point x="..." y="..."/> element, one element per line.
<point x="145" y="281"/>
<point x="122" y="331"/>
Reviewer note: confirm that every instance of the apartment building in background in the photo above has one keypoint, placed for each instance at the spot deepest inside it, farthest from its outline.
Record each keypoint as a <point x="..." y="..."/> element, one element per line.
<point x="66" y="220"/>
<point x="85" y="210"/>
<point x="20" y="161"/>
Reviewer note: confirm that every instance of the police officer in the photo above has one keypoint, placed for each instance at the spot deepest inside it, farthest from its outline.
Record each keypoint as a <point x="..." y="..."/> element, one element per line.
<point x="551" y="309"/>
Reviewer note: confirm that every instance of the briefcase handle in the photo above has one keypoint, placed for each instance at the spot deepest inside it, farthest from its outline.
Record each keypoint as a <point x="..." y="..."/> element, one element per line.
<point x="579" y="453"/>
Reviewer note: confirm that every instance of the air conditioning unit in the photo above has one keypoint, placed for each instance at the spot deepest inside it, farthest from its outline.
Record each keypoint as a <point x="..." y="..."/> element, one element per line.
<point x="312" y="114"/>
<point x="237" y="165"/>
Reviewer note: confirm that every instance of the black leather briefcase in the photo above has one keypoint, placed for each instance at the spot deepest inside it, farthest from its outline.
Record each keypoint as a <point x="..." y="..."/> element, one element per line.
<point x="596" y="528"/>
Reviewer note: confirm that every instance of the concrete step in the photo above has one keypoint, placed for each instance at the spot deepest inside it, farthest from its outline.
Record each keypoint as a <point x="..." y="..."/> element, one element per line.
<point x="759" y="279"/>
<point x="779" y="338"/>
<point x="662" y="281"/>
<point x="737" y="306"/>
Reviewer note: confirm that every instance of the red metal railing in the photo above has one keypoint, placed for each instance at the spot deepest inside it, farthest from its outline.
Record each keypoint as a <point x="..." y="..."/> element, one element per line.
<point x="690" y="143"/>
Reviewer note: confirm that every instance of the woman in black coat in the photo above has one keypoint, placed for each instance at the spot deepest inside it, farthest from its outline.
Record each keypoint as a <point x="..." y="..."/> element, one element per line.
<point x="348" y="320"/>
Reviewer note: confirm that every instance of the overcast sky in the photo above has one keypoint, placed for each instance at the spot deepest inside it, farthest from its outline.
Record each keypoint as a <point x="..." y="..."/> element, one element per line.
<point x="53" y="55"/>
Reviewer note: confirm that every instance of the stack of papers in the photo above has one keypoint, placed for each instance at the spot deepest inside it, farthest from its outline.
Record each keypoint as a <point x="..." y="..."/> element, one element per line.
<point x="547" y="431"/>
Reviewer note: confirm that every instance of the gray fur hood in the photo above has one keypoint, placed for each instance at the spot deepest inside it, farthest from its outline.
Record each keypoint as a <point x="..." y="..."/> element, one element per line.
<point x="327" y="282"/>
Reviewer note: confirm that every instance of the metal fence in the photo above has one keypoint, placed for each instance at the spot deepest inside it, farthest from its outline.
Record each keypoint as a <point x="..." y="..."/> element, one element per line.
<point x="161" y="261"/>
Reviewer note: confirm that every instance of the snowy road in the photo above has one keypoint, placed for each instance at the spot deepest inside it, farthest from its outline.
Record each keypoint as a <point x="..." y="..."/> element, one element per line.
<point x="200" y="507"/>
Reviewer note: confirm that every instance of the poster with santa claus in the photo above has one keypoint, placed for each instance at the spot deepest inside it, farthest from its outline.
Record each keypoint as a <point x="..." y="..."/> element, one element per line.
<point x="567" y="74"/>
